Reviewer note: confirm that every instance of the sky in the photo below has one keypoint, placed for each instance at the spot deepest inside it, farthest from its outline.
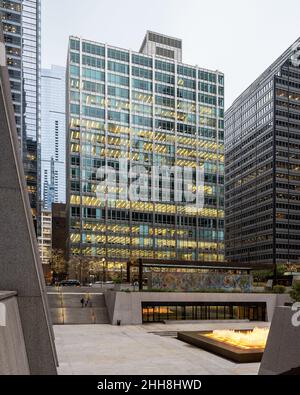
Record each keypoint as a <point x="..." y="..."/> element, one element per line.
<point x="241" y="38"/>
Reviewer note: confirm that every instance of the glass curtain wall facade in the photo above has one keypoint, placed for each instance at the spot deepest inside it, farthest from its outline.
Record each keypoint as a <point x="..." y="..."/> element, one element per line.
<point x="183" y="311"/>
<point x="21" y="26"/>
<point x="53" y="136"/>
<point x="149" y="111"/>
<point x="262" y="142"/>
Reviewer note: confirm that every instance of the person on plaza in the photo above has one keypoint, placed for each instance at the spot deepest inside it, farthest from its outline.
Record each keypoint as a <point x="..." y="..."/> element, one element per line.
<point x="87" y="302"/>
<point x="82" y="302"/>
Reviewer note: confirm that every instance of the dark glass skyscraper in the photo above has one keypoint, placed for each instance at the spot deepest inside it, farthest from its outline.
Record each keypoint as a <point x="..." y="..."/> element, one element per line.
<point x="145" y="110"/>
<point x="262" y="144"/>
<point x="21" y="27"/>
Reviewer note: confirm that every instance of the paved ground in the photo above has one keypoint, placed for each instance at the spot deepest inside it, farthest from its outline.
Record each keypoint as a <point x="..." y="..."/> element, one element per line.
<point x="112" y="350"/>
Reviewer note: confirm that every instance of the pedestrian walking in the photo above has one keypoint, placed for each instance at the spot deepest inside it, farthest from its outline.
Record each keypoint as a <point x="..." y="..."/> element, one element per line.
<point x="82" y="302"/>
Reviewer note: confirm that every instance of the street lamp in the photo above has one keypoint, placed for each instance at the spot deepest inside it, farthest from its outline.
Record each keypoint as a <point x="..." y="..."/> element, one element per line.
<point x="104" y="270"/>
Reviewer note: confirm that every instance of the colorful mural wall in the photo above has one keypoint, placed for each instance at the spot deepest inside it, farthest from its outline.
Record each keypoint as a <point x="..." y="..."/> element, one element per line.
<point x="189" y="282"/>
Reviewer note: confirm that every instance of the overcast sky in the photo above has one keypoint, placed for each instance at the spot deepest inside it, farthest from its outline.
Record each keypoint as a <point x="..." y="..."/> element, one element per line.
<point x="238" y="37"/>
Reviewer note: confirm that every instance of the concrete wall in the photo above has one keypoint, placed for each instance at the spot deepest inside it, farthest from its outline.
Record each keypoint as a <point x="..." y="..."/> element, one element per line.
<point x="282" y="352"/>
<point x="13" y="357"/>
<point x="127" y="307"/>
<point x="20" y="264"/>
<point x="110" y="300"/>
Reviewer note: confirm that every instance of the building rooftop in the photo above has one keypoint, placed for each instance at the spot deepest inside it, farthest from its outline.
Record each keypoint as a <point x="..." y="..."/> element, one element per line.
<point x="143" y="54"/>
<point x="273" y="69"/>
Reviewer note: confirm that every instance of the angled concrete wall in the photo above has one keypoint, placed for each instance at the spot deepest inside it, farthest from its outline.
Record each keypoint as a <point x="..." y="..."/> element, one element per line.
<point x="13" y="356"/>
<point x="282" y="353"/>
<point x="20" y="266"/>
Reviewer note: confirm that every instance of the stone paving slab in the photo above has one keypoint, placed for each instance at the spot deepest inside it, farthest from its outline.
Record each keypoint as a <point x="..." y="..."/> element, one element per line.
<point x="132" y="350"/>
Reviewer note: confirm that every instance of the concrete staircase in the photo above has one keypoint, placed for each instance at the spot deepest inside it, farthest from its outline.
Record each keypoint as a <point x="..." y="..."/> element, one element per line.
<point x="66" y="309"/>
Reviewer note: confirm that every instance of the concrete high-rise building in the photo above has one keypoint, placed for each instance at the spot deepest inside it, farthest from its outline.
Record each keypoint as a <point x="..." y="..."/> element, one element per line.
<point x="262" y="146"/>
<point x="21" y="28"/>
<point x="53" y="136"/>
<point x="137" y="113"/>
<point x="45" y="240"/>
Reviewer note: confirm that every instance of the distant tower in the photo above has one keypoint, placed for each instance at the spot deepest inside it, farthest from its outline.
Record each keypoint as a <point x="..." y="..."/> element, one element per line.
<point x="53" y="136"/>
<point x="21" y="21"/>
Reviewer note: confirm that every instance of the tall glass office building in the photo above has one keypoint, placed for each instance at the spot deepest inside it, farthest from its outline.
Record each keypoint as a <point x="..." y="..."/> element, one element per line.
<point x="21" y="27"/>
<point x="262" y="146"/>
<point x="149" y="110"/>
<point x="53" y="136"/>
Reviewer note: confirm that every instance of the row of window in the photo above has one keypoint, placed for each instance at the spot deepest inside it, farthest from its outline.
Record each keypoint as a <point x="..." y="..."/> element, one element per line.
<point x="141" y="60"/>
<point x="95" y="213"/>
<point x="118" y="116"/>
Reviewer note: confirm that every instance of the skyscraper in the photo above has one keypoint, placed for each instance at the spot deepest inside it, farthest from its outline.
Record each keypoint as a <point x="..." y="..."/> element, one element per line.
<point x="262" y="167"/>
<point x="53" y="136"/>
<point x="136" y="113"/>
<point x="21" y="27"/>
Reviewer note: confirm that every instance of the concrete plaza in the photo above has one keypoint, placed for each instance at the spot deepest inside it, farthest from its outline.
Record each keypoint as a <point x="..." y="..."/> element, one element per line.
<point x="136" y="350"/>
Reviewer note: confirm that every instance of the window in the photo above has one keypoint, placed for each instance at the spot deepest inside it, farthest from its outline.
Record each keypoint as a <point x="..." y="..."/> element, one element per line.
<point x="164" y="66"/>
<point x="164" y="101"/>
<point x="93" y="62"/>
<point x="118" y="92"/>
<point x="118" y="79"/>
<point x="143" y="85"/>
<point x="75" y="212"/>
<point x="74" y="57"/>
<point x="207" y="99"/>
<point x="186" y="71"/>
<point x="93" y="49"/>
<point x="93" y="112"/>
<point x="188" y="129"/>
<point x="118" y="67"/>
<point x="209" y="88"/>
<point x="141" y="73"/>
<point x="75" y="45"/>
<point x="93" y="87"/>
<point x="161" y="311"/>
<point x="74" y="96"/>
<point x="188" y="95"/>
<point x="93" y="74"/>
<point x="165" y="90"/>
<point x="75" y="70"/>
<point x="75" y="109"/>
<point x="142" y="121"/>
<point x="118" y="116"/>
<point x="167" y="78"/>
<point x="206" y="76"/>
<point x="184" y="82"/>
<point x="142" y="60"/>
<point x="118" y="55"/>
<point x="165" y="125"/>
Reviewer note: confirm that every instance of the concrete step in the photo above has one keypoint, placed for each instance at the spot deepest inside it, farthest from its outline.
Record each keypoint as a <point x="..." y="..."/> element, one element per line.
<point x="66" y="309"/>
<point x="165" y="333"/>
<point x="74" y="300"/>
<point x="79" y="316"/>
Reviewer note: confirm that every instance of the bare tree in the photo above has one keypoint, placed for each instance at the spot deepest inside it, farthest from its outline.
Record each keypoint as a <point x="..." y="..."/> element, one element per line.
<point x="79" y="268"/>
<point x="58" y="263"/>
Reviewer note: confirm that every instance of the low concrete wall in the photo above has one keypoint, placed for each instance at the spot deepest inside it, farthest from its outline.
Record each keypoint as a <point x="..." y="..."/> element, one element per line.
<point x="127" y="307"/>
<point x="13" y="357"/>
